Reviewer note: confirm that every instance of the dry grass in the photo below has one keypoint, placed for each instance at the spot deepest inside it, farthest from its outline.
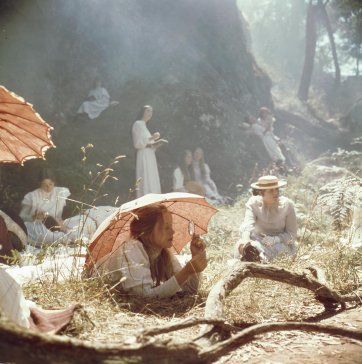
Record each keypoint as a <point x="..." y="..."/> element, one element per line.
<point x="109" y="316"/>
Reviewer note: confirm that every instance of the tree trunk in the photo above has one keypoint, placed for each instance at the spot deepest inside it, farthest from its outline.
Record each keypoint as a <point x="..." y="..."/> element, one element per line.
<point x="310" y="46"/>
<point x="327" y="24"/>
<point x="357" y="59"/>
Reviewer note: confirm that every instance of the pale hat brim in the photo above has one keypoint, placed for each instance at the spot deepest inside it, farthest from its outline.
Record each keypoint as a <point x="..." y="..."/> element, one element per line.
<point x="268" y="186"/>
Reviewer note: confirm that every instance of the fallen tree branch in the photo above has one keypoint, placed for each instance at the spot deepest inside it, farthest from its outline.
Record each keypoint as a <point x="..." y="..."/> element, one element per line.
<point x="214" y="308"/>
<point x="19" y="345"/>
<point x="184" y="324"/>
<point x="247" y="335"/>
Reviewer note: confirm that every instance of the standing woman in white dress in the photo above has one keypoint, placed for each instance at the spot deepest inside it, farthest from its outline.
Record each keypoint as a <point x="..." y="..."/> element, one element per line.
<point x="146" y="165"/>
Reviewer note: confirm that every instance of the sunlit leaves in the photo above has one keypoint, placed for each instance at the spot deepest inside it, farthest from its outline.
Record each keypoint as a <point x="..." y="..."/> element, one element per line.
<point x="338" y="197"/>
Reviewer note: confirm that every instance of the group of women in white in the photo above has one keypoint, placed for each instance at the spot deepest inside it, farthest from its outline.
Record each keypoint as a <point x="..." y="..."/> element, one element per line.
<point x="40" y="225"/>
<point x="143" y="264"/>
<point x="191" y="175"/>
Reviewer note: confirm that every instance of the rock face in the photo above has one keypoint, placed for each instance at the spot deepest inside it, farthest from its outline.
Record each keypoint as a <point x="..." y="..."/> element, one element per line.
<point x="188" y="59"/>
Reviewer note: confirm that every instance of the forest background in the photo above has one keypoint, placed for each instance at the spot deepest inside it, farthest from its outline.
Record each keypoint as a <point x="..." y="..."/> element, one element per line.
<point x="203" y="65"/>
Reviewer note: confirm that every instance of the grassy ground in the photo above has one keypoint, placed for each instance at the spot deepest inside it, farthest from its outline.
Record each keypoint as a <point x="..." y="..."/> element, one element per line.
<point x="109" y="316"/>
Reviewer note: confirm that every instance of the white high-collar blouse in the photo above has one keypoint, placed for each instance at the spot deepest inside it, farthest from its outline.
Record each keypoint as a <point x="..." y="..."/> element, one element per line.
<point x="277" y="220"/>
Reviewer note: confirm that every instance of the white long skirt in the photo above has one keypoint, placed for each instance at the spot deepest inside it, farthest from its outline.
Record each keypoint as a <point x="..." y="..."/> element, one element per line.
<point x="147" y="172"/>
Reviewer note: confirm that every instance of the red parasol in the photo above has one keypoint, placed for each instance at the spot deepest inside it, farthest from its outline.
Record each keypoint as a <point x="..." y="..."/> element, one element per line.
<point x="185" y="208"/>
<point x="23" y="133"/>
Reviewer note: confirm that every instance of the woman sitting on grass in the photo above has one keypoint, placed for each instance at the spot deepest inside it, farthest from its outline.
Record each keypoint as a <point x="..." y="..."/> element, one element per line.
<point x="42" y="211"/>
<point x="184" y="176"/>
<point x="202" y="175"/>
<point x="143" y="263"/>
<point x="270" y="224"/>
<point x="48" y="201"/>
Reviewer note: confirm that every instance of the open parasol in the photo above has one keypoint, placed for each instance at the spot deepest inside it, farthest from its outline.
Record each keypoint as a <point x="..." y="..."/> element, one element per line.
<point x="23" y="133"/>
<point x="185" y="208"/>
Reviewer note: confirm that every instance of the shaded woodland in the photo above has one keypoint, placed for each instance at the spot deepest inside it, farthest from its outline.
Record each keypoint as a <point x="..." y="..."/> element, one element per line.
<point x="192" y="61"/>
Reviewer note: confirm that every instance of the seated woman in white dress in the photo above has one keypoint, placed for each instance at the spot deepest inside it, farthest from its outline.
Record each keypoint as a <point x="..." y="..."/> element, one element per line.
<point x="97" y="101"/>
<point x="47" y="199"/>
<point x="42" y="211"/>
<point x="266" y="120"/>
<point x="270" y="224"/>
<point x="202" y="175"/>
<point x="184" y="176"/>
<point x="144" y="265"/>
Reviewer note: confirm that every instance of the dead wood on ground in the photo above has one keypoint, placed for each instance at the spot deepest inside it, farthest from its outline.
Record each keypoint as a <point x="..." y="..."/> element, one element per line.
<point x="19" y="345"/>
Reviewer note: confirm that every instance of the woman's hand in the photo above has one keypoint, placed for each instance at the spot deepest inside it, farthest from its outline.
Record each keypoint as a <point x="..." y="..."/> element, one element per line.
<point x="40" y="215"/>
<point x="198" y="262"/>
<point x="196" y="265"/>
<point x="197" y="245"/>
<point x="155" y="136"/>
<point x="61" y="226"/>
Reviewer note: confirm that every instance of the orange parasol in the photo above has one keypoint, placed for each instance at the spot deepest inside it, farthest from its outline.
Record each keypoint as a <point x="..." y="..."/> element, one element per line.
<point x="23" y="133"/>
<point x="186" y="209"/>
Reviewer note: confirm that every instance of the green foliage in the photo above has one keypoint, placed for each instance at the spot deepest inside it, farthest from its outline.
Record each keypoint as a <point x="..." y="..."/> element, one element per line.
<point x="349" y="17"/>
<point x="338" y="197"/>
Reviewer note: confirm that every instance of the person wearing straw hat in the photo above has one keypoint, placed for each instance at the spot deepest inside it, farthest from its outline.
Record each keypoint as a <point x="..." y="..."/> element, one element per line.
<point x="270" y="224"/>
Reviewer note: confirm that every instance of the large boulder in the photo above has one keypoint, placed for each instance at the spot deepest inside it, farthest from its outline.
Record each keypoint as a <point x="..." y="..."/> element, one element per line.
<point x="188" y="59"/>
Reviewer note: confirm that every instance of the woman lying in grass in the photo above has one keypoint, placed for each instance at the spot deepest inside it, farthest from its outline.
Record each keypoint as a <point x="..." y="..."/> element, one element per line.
<point x="145" y="266"/>
<point x="24" y="313"/>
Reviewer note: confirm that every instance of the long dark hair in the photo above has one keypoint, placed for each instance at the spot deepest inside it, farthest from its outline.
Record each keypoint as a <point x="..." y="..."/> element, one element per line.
<point x="141" y="112"/>
<point x="141" y="228"/>
<point x="201" y="163"/>
<point x="187" y="171"/>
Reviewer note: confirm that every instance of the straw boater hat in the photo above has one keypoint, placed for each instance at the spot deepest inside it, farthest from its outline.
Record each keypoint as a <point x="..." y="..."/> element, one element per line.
<point x="267" y="182"/>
